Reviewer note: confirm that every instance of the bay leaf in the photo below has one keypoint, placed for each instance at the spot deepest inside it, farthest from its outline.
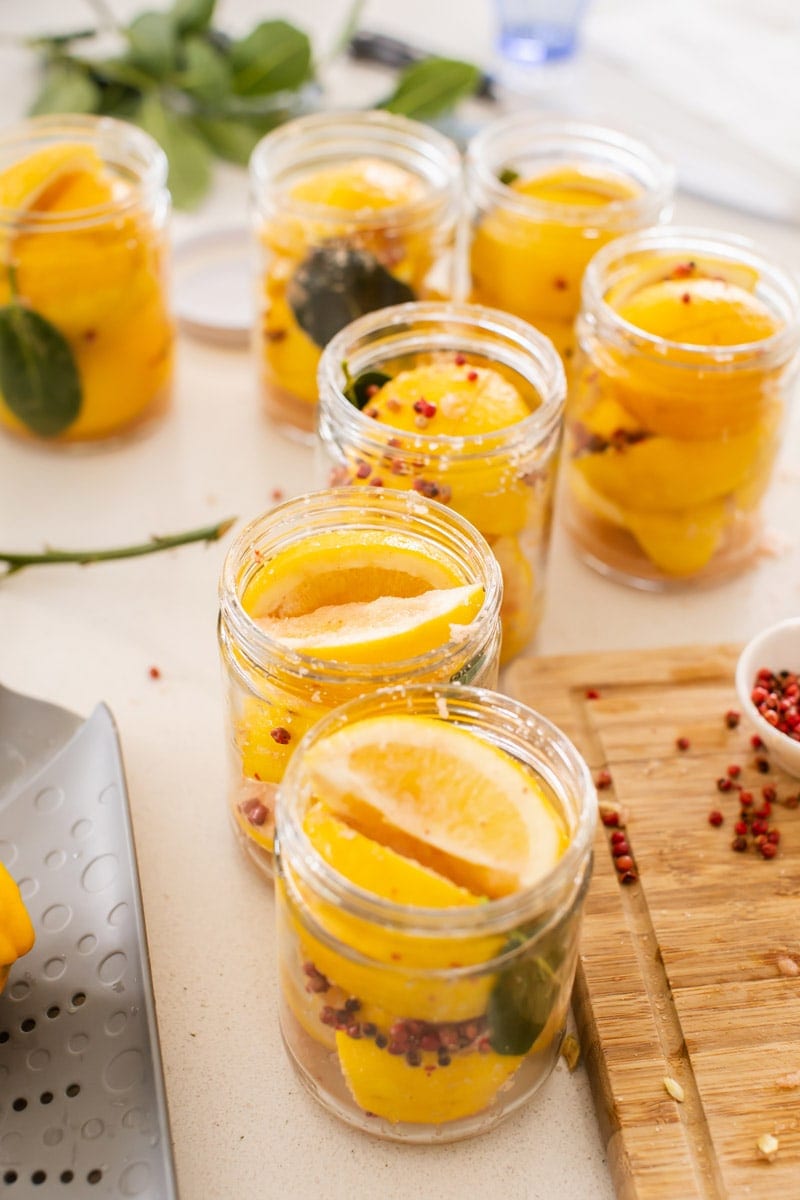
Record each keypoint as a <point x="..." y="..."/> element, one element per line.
<point x="360" y="390"/>
<point x="520" y="1004"/>
<point x="336" y="283"/>
<point x="274" y="57"/>
<point x="188" y="155"/>
<point x="67" y="88"/>
<point x="153" y="43"/>
<point x="428" y="88"/>
<point x="39" y="379"/>
<point x="192" y="16"/>
<point x="206" y="74"/>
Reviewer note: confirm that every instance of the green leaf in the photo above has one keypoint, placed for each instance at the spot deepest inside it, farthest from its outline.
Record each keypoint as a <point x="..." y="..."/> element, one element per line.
<point x="520" y="1004"/>
<point x="431" y="87"/>
<point x="273" y="57"/>
<point x="189" y="157"/>
<point x="38" y="376"/>
<point x="120" y="71"/>
<point x="67" y="89"/>
<point x="231" y="139"/>
<point x="153" y="43"/>
<point x="205" y="75"/>
<point x="192" y="16"/>
<point x="360" y="390"/>
<point x="335" y="283"/>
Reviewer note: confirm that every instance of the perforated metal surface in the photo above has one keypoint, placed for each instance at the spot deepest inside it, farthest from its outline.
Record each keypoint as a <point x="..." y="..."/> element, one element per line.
<point x="82" y="1106"/>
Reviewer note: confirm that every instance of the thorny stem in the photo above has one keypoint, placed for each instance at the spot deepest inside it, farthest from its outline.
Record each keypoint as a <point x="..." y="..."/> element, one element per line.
<point x="50" y="557"/>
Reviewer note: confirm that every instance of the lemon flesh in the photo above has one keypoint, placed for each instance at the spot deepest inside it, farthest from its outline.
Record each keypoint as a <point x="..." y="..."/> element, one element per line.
<point x="441" y="796"/>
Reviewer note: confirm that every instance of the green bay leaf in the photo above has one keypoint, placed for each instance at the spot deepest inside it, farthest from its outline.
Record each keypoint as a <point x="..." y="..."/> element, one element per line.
<point x="67" y="88"/>
<point x="153" y="43"/>
<point x="432" y="87"/>
<point x="205" y="74"/>
<point x="188" y="155"/>
<point x="39" y="379"/>
<point x="192" y="16"/>
<point x="274" y="57"/>
<point x="520" y="1004"/>
<point x="335" y="283"/>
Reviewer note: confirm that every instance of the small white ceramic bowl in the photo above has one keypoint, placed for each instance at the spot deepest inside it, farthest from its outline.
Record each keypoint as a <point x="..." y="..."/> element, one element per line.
<point x="778" y="649"/>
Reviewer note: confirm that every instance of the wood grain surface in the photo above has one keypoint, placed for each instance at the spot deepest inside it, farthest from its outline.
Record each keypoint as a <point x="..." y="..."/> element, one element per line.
<point x="689" y="972"/>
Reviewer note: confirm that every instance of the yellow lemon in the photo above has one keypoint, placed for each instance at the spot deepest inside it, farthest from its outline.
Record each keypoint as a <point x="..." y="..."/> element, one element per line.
<point x="34" y="182"/>
<point x="363" y="184"/>
<point x="442" y="796"/>
<point x="452" y="399"/>
<point x="699" y="312"/>
<point x="386" y="1085"/>
<point x="387" y="629"/>
<point x="340" y="566"/>
<point x="680" y="543"/>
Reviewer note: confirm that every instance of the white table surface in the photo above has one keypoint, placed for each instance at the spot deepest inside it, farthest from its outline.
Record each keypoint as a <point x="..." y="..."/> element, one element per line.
<point x="241" y="1123"/>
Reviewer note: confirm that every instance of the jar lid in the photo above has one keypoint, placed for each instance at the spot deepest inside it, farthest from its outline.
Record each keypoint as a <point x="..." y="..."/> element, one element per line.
<point x="212" y="286"/>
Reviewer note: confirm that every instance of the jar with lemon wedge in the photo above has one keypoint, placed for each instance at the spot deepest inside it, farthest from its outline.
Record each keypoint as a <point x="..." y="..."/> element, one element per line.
<point x="353" y="212"/>
<point x="332" y="595"/>
<point x="86" y="338"/>
<point x="689" y="345"/>
<point x="546" y="194"/>
<point x="433" y="850"/>
<point x="462" y="404"/>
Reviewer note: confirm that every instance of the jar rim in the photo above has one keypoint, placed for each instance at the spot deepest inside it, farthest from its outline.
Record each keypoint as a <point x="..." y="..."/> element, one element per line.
<point x="380" y="506"/>
<point x="459" y="921"/>
<point x="657" y="189"/>
<point x="520" y="334"/>
<point x="397" y="133"/>
<point x="138" y="147"/>
<point x="689" y="240"/>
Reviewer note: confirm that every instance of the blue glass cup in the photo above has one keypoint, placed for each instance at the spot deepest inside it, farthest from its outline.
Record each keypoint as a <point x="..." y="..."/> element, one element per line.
<point x="534" y="33"/>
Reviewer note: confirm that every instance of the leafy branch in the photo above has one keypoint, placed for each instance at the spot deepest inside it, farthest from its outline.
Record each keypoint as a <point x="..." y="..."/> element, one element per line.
<point x="202" y="93"/>
<point x="51" y="557"/>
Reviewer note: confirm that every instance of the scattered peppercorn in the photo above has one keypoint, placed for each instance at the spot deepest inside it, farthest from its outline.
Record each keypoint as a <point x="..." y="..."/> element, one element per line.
<point x="280" y="735"/>
<point x="762" y="766"/>
<point x="624" y="863"/>
<point x="603" y="780"/>
<point x="682" y="743"/>
<point x="734" y="771"/>
<point x="739" y="844"/>
<point x="715" y="817"/>
<point x="756" y="742"/>
<point x="592" y="694"/>
<point x="610" y="816"/>
<point x="732" y="718"/>
<point x="724" y="784"/>
<point x="154" y="673"/>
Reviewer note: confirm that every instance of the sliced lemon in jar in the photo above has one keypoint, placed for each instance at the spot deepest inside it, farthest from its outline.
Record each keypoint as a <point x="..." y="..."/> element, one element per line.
<point x="427" y="1094"/>
<point x="699" y="312"/>
<point x="36" y="180"/>
<point x="442" y="796"/>
<point x="450" y="400"/>
<point x="344" y="565"/>
<point x="387" y="629"/>
<point x="363" y="184"/>
<point x="577" y="188"/>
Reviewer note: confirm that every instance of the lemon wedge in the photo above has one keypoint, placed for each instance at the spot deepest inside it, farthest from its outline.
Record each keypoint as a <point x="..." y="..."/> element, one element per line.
<point x="467" y="400"/>
<point x="572" y="186"/>
<point x="340" y="566"/>
<point x="442" y="796"/>
<point x="699" y="312"/>
<point x="34" y="181"/>
<point x="387" y="629"/>
<point x="365" y="184"/>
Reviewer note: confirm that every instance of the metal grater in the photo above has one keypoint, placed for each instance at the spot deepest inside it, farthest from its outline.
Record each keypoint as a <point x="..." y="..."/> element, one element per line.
<point x="82" y="1105"/>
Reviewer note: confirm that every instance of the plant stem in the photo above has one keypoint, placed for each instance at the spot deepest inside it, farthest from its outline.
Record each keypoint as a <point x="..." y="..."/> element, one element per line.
<point x="50" y="557"/>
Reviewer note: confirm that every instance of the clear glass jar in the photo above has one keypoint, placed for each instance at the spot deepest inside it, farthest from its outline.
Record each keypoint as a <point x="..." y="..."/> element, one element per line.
<point x="427" y="1024"/>
<point x="545" y="195"/>
<point x="501" y="481"/>
<point x="688" y="356"/>
<point x="275" y="692"/>
<point x="352" y="212"/>
<point x="83" y="224"/>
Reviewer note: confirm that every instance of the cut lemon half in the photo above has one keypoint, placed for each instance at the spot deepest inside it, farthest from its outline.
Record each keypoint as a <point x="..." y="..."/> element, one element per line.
<point x="442" y="796"/>
<point x="341" y="566"/>
<point x="35" y="180"/>
<point x="572" y="186"/>
<point x="699" y="312"/>
<point x="363" y="185"/>
<point x="467" y="400"/>
<point x="388" y="629"/>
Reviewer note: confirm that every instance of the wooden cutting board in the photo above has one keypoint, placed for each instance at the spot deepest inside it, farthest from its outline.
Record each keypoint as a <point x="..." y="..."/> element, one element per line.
<point x="686" y="973"/>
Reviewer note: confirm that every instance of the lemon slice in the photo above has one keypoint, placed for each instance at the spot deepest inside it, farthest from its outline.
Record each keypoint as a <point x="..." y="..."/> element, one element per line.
<point x="700" y="312"/>
<point x="365" y="184"/>
<point x="467" y="400"/>
<point x="31" y="182"/>
<point x="574" y="186"/>
<point x="384" y="630"/>
<point x="346" y="565"/>
<point x="442" y="796"/>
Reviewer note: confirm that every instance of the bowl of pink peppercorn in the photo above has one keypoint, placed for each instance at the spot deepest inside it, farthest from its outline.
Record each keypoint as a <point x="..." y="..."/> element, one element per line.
<point x="768" y="685"/>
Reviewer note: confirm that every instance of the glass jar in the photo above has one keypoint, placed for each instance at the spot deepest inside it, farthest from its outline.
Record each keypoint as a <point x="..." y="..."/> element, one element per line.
<point x="501" y="481"/>
<point x="545" y="195"/>
<point x="427" y="1024"/>
<point x="352" y="212"/>
<point x="338" y="545"/>
<point x="688" y="355"/>
<point x="83" y="216"/>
